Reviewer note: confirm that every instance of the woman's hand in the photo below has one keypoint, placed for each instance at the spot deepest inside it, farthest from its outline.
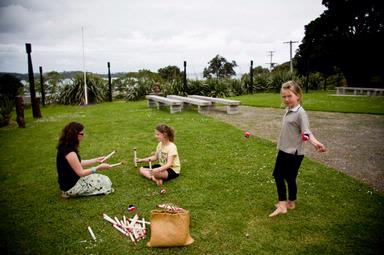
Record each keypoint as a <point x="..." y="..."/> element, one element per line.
<point x="103" y="166"/>
<point x="99" y="159"/>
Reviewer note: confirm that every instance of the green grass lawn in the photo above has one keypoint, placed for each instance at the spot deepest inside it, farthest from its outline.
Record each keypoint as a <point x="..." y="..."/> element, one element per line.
<point x="225" y="183"/>
<point x="321" y="101"/>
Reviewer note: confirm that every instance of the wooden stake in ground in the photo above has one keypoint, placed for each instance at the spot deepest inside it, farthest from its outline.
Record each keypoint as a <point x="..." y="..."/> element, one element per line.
<point x="135" y="157"/>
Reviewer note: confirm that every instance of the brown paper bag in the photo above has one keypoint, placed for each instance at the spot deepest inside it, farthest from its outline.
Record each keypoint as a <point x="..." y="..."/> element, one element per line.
<point x="170" y="228"/>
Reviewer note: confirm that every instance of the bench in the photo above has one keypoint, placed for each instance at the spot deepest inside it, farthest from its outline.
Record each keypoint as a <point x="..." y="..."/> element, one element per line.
<point x="187" y="101"/>
<point x="159" y="102"/>
<point x="232" y="105"/>
<point x="360" y="91"/>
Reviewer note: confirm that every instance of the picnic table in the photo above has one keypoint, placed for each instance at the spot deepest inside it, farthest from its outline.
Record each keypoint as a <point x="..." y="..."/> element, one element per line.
<point x="360" y="91"/>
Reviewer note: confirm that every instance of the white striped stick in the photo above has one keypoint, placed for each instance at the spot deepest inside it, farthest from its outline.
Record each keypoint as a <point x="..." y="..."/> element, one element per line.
<point x="132" y="238"/>
<point x="92" y="234"/>
<point x="117" y="164"/>
<point x="142" y="221"/>
<point x="143" y="224"/>
<point x="132" y="226"/>
<point x="120" y="230"/>
<point x="125" y="220"/>
<point x="108" y="156"/>
<point x="117" y="221"/>
<point x="139" y="231"/>
<point x="134" y="220"/>
<point x="135" y="234"/>
<point x="109" y="219"/>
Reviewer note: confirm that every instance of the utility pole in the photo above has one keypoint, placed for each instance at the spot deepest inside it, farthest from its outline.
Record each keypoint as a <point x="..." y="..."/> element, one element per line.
<point x="85" y="73"/>
<point x="251" y="77"/>
<point x="271" y="64"/>
<point x="290" y="53"/>
<point x="185" y="78"/>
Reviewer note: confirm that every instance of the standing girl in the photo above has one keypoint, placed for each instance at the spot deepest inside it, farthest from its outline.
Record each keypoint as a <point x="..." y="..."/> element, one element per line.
<point x="294" y="132"/>
<point x="166" y="153"/>
<point x="73" y="179"/>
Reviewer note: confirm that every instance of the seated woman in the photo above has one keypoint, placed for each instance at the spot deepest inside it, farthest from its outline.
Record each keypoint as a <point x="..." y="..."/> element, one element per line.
<point x="73" y="179"/>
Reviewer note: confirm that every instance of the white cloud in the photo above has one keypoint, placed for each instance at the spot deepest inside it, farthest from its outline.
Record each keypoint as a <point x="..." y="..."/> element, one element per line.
<point x="137" y="34"/>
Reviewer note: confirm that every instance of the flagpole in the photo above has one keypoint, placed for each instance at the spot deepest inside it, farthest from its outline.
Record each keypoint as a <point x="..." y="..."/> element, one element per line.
<point x="85" y="73"/>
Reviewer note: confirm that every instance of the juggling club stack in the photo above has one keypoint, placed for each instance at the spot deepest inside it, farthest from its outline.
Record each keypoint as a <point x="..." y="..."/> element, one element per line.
<point x="134" y="228"/>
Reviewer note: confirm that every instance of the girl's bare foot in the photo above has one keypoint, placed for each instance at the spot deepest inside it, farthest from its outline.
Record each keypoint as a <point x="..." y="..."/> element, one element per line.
<point x="291" y="204"/>
<point x="280" y="209"/>
<point x="159" y="182"/>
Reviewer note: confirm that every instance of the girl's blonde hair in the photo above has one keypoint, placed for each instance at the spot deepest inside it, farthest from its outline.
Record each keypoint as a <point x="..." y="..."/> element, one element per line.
<point x="294" y="87"/>
<point x="167" y="131"/>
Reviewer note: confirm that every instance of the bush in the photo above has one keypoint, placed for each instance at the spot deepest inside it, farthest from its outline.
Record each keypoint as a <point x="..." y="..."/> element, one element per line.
<point x="6" y="107"/>
<point x="217" y="88"/>
<point x="131" y="88"/>
<point x="10" y="87"/>
<point x="278" y="78"/>
<point x="197" y="87"/>
<point x="135" y="88"/>
<point x="261" y="82"/>
<point x="74" y="93"/>
<point x="237" y="88"/>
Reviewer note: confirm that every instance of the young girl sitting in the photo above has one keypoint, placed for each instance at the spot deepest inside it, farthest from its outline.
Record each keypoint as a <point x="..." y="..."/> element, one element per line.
<point x="166" y="153"/>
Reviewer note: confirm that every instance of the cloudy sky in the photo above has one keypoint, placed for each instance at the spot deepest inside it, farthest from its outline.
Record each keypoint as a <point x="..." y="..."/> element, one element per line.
<point x="149" y="34"/>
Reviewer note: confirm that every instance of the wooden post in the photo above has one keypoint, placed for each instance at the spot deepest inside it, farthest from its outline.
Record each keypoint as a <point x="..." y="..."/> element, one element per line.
<point x="35" y="106"/>
<point x="20" y="111"/>
<point x="109" y="82"/>
<point x="42" y="86"/>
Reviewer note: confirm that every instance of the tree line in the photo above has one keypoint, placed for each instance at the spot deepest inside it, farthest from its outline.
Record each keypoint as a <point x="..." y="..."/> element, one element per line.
<point x="347" y="38"/>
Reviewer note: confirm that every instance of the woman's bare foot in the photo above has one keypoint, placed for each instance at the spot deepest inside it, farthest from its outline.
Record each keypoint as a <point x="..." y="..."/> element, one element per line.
<point x="64" y="195"/>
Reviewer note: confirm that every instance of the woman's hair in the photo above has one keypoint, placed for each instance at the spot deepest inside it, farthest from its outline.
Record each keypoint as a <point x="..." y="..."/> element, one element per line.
<point x="294" y="87"/>
<point x="167" y="131"/>
<point x="69" y="135"/>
